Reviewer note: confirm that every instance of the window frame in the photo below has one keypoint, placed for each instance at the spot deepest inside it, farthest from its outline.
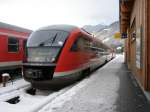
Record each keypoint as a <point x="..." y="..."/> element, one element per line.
<point x="10" y="44"/>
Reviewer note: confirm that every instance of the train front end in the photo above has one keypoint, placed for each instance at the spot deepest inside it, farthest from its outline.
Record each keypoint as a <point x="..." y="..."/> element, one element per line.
<point x="43" y="50"/>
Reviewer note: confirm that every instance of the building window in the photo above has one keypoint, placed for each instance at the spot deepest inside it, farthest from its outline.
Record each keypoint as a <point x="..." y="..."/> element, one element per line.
<point x="139" y="47"/>
<point x="13" y="44"/>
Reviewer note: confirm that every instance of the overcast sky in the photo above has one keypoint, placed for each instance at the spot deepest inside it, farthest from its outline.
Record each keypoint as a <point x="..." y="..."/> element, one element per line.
<point x="33" y="14"/>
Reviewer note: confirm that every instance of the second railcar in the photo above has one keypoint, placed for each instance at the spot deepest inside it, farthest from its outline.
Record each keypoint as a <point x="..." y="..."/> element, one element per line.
<point x="59" y="54"/>
<point x="12" y="41"/>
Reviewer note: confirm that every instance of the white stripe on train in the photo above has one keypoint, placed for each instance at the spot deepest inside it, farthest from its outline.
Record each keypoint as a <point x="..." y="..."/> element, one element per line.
<point x="90" y="65"/>
<point x="10" y="63"/>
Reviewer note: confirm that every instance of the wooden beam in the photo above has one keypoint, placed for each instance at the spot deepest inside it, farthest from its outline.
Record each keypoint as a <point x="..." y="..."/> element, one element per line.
<point x="125" y="22"/>
<point x="125" y="18"/>
<point x="126" y="7"/>
<point x="124" y="12"/>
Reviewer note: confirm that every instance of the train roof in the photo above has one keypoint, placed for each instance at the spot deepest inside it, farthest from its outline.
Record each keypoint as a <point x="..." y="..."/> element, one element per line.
<point x="13" y="27"/>
<point x="67" y="28"/>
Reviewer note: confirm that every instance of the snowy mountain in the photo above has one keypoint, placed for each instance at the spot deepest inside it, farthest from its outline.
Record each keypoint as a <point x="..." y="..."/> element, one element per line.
<point x="105" y="33"/>
<point x="95" y="28"/>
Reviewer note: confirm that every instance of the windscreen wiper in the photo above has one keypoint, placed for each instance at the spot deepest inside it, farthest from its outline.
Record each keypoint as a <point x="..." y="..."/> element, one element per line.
<point x="52" y="40"/>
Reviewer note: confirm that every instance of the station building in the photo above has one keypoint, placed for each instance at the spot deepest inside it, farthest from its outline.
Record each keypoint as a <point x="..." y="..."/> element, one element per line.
<point x="134" y="18"/>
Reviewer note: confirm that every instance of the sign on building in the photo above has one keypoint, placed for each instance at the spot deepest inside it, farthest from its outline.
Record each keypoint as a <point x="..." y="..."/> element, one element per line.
<point x="124" y="35"/>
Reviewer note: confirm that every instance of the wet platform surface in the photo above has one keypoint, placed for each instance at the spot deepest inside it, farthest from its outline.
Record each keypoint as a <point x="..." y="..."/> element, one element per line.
<point x="109" y="89"/>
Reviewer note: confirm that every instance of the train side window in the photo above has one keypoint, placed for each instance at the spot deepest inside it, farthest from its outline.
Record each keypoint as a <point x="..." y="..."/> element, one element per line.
<point x="81" y="44"/>
<point x="75" y="46"/>
<point x="13" y="44"/>
<point x="78" y="45"/>
<point x="87" y="45"/>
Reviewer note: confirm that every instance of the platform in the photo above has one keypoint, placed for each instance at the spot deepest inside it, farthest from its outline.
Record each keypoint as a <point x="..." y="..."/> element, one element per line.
<point x="109" y="89"/>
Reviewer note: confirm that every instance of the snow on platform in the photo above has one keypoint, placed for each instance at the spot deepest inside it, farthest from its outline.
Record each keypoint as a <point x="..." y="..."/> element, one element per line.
<point x="97" y="93"/>
<point x="109" y="89"/>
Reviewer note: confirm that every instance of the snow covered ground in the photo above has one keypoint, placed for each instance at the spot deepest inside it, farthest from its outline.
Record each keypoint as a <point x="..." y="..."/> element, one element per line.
<point x="49" y="101"/>
<point x="20" y="83"/>
<point x="97" y="93"/>
<point x="12" y="89"/>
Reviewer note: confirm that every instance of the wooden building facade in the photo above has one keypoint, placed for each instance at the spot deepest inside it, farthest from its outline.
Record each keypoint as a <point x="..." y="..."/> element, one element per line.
<point x="135" y="22"/>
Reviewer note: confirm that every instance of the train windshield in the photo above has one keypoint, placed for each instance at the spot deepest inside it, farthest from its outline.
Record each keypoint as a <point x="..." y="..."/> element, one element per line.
<point x="45" y="46"/>
<point x="47" y="38"/>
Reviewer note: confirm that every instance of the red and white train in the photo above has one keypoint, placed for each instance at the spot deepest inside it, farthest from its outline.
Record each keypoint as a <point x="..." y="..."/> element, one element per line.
<point x="59" y="54"/>
<point x="12" y="47"/>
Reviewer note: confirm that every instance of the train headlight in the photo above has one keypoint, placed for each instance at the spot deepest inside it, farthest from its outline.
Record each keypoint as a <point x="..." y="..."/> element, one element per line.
<point x="52" y="59"/>
<point x="49" y="59"/>
<point x="60" y="43"/>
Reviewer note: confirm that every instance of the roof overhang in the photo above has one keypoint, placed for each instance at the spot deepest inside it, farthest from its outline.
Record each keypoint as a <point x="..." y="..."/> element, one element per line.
<point x="125" y="8"/>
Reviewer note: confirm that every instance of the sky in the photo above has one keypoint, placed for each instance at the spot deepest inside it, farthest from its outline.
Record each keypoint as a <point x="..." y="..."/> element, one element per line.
<point x="33" y="14"/>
